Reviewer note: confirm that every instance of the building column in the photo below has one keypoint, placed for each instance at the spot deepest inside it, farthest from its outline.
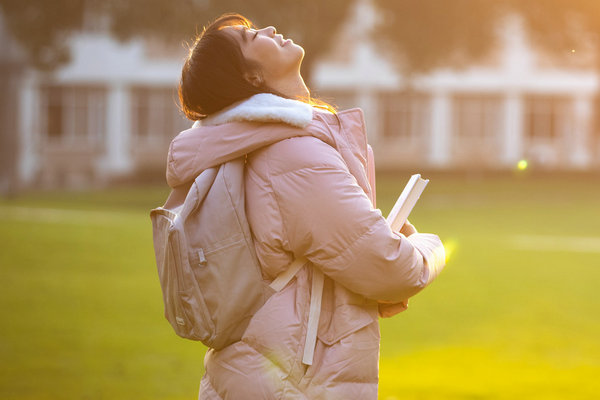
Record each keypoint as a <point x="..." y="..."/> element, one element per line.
<point x="28" y="130"/>
<point x="441" y="126"/>
<point x="512" y="150"/>
<point x="367" y="101"/>
<point x="10" y="82"/>
<point x="117" y="160"/>
<point x="579" y="150"/>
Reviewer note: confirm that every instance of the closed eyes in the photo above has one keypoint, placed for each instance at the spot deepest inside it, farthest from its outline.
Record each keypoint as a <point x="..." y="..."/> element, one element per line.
<point x="244" y="34"/>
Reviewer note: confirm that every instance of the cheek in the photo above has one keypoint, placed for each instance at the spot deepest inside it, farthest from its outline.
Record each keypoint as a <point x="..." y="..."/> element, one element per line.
<point x="270" y="57"/>
<point x="287" y="60"/>
<point x="261" y="54"/>
<point x="275" y="60"/>
<point x="265" y="49"/>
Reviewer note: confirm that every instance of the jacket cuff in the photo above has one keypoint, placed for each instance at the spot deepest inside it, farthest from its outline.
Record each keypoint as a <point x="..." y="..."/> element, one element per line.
<point x="431" y="248"/>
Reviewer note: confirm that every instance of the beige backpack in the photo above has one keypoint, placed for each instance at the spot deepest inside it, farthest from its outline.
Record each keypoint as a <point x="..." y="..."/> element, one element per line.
<point x="209" y="273"/>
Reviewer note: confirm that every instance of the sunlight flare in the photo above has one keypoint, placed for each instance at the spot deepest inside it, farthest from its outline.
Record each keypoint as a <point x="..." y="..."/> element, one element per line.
<point x="450" y="247"/>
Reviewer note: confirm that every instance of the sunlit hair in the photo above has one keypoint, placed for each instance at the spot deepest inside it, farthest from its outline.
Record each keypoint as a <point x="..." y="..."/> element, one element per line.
<point x="214" y="74"/>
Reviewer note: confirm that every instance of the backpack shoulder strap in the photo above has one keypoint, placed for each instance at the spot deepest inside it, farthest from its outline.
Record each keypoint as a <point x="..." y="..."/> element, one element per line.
<point x="316" y="294"/>
<point x="286" y="276"/>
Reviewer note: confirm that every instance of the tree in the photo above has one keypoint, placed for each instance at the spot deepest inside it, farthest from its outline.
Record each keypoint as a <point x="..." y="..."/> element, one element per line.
<point x="425" y="34"/>
<point x="422" y="34"/>
<point x="561" y="27"/>
<point x="42" y="26"/>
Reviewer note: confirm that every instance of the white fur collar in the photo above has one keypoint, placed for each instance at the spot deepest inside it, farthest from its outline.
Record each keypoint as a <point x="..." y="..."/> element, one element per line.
<point x="263" y="107"/>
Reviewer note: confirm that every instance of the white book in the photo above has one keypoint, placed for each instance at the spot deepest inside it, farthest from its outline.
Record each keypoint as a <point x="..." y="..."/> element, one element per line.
<point x="406" y="201"/>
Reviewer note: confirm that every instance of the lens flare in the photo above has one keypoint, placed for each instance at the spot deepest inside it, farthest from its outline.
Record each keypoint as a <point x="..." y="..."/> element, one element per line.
<point x="522" y="165"/>
<point x="449" y="247"/>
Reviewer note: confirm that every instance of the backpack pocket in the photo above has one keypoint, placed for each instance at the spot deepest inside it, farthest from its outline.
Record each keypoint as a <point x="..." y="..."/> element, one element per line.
<point x="193" y="321"/>
<point x="184" y="305"/>
<point x="232" y="288"/>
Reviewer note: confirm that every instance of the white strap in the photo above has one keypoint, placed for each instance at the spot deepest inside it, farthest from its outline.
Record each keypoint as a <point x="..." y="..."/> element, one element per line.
<point x="316" y="294"/>
<point x="285" y="277"/>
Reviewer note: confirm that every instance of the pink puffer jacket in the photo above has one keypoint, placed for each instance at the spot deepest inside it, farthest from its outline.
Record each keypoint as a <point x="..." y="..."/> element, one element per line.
<point x="309" y="192"/>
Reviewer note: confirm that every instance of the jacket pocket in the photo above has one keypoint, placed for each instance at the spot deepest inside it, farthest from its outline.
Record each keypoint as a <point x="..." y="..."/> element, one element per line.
<point x="345" y="320"/>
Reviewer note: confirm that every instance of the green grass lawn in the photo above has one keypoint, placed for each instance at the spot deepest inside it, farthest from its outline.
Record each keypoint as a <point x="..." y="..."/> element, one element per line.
<point x="515" y="314"/>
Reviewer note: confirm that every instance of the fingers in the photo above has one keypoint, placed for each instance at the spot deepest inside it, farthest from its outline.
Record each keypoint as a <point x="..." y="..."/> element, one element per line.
<point x="387" y="310"/>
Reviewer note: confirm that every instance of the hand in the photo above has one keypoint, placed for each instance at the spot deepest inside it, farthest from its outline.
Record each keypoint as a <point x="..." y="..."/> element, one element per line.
<point x="387" y="310"/>
<point x="408" y="229"/>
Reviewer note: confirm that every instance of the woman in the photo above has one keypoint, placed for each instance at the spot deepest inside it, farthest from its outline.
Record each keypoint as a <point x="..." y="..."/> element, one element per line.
<point x="309" y="189"/>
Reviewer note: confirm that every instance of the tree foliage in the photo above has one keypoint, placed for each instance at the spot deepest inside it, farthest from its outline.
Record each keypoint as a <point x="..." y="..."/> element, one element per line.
<point x="425" y="34"/>
<point x="418" y="34"/>
<point x="559" y="26"/>
<point x="42" y="26"/>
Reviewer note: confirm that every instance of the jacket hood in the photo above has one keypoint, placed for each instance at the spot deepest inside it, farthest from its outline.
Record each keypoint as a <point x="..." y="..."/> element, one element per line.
<point x="258" y="121"/>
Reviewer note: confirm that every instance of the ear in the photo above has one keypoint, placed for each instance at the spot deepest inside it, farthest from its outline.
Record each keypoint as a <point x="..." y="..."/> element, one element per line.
<point x="254" y="78"/>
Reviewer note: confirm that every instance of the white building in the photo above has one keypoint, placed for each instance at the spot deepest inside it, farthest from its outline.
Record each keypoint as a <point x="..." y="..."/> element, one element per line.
<point x="112" y="111"/>
<point x="519" y="105"/>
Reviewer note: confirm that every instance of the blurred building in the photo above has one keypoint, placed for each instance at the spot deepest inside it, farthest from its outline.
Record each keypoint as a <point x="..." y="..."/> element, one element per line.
<point x="12" y="65"/>
<point x="519" y="105"/>
<point x="111" y="112"/>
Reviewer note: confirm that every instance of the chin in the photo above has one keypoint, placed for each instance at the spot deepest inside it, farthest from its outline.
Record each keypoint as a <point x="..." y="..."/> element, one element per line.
<point x="300" y="50"/>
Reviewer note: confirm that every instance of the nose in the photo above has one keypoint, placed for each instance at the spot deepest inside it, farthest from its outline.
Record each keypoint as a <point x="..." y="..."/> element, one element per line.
<point x="270" y="30"/>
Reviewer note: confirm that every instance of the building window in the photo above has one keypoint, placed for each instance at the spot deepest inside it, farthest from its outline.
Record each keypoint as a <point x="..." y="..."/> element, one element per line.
<point x="404" y="115"/>
<point x="547" y="118"/>
<point x="73" y="114"/>
<point x="155" y="115"/>
<point x="476" y="117"/>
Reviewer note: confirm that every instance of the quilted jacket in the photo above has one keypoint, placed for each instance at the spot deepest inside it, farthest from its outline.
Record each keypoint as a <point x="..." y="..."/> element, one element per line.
<point x="309" y="187"/>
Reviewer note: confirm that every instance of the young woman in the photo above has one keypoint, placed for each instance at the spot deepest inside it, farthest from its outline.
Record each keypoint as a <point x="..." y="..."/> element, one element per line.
<point x="309" y="188"/>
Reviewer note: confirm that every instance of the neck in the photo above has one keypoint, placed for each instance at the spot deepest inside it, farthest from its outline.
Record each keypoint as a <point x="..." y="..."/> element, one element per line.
<point x="293" y="87"/>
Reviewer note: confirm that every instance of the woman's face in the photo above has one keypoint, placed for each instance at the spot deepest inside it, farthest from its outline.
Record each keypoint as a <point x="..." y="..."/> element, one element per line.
<point x="278" y="57"/>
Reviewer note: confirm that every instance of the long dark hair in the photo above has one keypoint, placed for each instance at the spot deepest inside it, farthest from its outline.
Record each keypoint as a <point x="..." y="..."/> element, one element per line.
<point x="214" y="75"/>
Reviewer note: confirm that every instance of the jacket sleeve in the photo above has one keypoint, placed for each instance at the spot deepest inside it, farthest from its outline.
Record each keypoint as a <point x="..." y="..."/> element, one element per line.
<point x="328" y="218"/>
